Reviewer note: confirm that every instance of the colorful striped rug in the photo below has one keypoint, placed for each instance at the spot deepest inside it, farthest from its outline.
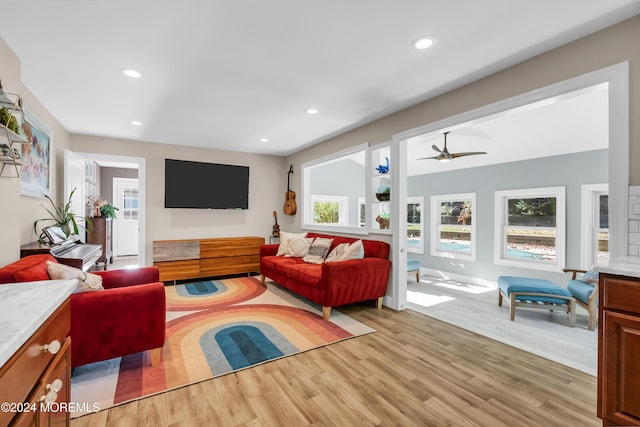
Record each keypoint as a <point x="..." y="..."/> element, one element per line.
<point x="213" y="328"/>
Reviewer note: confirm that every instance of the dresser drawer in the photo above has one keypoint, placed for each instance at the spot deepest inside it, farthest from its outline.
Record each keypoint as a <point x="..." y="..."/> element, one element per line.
<point x="620" y="293"/>
<point x="23" y="370"/>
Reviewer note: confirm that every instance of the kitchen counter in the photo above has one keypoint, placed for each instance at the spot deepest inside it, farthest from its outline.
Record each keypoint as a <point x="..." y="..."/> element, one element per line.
<point x="623" y="266"/>
<point x="23" y="309"/>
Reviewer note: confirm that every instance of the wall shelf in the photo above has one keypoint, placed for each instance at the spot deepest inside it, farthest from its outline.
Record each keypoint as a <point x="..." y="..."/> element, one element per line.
<point x="10" y="154"/>
<point x="380" y="207"/>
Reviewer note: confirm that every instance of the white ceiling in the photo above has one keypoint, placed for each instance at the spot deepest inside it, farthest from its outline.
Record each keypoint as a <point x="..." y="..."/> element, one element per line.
<point x="573" y="122"/>
<point x="224" y="74"/>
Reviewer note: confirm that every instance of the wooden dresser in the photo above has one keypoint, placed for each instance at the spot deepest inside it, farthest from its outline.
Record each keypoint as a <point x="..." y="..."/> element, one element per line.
<point x="197" y="258"/>
<point x="101" y="233"/>
<point x="35" y="380"/>
<point x="619" y="343"/>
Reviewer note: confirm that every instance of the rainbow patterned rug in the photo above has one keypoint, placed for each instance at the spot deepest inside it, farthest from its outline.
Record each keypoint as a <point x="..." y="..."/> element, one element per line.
<point x="213" y="327"/>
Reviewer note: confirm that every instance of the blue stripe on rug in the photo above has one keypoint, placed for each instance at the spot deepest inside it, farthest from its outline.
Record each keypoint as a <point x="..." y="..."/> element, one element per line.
<point x="245" y="345"/>
<point x="208" y="287"/>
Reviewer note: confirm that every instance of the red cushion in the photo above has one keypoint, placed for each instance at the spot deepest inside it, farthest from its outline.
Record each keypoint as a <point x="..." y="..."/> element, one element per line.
<point x="28" y="269"/>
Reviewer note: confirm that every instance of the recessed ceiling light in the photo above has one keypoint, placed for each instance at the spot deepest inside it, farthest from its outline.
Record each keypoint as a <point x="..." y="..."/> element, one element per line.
<point x="423" y="42"/>
<point x="136" y="123"/>
<point x="264" y="140"/>
<point x="312" y="111"/>
<point x="131" y="73"/>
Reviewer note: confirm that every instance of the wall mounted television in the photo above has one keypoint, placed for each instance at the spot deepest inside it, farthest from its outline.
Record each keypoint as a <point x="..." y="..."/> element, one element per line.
<point x="199" y="185"/>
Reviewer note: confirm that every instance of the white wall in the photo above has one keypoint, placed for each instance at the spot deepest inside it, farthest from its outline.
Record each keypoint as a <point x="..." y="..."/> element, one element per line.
<point x="267" y="186"/>
<point x="570" y="171"/>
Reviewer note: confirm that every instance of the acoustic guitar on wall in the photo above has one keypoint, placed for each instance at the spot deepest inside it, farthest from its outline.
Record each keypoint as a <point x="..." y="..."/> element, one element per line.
<point x="290" y="196"/>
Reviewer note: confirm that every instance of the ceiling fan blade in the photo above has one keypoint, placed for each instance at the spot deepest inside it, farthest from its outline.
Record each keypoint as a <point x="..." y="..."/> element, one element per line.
<point x="435" y="148"/>
<point x="427" y="158"/>
<point x="470" y="153"/>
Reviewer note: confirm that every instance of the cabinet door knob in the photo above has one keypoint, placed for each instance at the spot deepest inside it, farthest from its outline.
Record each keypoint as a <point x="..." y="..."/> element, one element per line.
<point x="52" y="391"/>
<point x="53" y="347"/>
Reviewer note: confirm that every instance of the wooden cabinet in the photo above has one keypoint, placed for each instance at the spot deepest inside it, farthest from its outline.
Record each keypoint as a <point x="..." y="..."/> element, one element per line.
<point x="619" y="350"/>
<point x="102" y="234"/>
<point x="197" y="258"/>
<point x="40" y="373"/>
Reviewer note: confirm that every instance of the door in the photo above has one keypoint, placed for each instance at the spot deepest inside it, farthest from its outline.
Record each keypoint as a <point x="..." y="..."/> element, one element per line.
<point x="125" y="226"/>
<point x="74" y="178"/>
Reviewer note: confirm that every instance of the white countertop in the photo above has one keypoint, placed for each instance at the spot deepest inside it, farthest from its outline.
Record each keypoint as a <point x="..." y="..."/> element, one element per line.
<point x="23" y="309"/>
<point x="624" y="266"/>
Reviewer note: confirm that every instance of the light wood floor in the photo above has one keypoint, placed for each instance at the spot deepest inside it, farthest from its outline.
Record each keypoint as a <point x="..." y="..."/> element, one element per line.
<point x="414" y="371"/>
<point x="474" y="307"/>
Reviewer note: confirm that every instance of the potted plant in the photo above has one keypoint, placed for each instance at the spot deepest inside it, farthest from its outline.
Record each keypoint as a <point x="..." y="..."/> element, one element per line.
<point x="108" y="210"/>
<point x="62" y="216"/>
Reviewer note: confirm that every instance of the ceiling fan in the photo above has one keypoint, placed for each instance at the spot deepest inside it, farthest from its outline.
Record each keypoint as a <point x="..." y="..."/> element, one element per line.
<point x="445" y="155"/>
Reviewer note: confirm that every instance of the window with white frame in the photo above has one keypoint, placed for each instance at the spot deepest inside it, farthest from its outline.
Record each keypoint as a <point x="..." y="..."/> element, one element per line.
<point x="329" y="210"/>
<point x="130" y="204"/>
<point x="362" y="212"/>
<point x="530" y="228"/>
<point x="595" y="224"/>
<point x="415" y="224"/>
<point x="452" y="226"/>
<point x="333" y="188"/>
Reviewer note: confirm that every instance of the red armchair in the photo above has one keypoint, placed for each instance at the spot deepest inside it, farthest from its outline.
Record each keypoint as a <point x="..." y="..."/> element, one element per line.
<point x="127" y="317"/>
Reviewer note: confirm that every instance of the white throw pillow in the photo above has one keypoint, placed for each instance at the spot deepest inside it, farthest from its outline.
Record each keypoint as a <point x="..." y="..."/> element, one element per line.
<point x="337" y="252"/>
<point x="313" y="259"/>
<point x="87" y="282"/>
<point x="283" y="249"/>
<point x="298" y="247"/>
<point x="320" y="247"/>
<point x="354" y="251"/>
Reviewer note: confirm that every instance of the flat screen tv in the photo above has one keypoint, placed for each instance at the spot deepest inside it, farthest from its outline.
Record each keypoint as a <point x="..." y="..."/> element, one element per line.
<point x="201" y="185"/>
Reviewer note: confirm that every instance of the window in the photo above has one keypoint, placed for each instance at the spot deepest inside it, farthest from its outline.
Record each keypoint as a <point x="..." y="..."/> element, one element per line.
<point x="330" y="210"/>
<point x="130" y="204"/>
<point x="362" y="212"/>
<point x="530" y="228"/>
<point x="595" y="224"/>
<point x="333" y="188"/>
<point x="415" y="224"/>
<point x="452" y="226"/>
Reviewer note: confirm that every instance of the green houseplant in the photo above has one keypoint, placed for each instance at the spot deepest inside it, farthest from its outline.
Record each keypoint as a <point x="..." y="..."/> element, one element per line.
<point x="108" y="210"/>
<point x="62" y="216"/>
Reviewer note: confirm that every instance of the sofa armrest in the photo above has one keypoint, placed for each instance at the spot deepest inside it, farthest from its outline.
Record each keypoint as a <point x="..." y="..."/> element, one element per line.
<point x="127" y="277"/>
<point x="269" y="250"/>
<point x="118" y="321"/>
<point x="354" y="280"/>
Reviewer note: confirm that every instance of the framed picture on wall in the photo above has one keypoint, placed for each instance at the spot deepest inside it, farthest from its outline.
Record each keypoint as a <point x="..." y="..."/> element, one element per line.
<point x="35" y="179"/>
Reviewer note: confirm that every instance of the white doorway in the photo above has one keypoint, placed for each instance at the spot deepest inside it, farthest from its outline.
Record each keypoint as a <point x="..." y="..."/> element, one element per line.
<point x="125" y="227"/>
<point x="616" y="77"/>
<point x="75" y="175"/>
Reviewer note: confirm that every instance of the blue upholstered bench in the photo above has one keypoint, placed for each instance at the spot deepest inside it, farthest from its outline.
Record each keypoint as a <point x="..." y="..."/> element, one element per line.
<point x="414" y="265"/>
<point x="535" y="293"/>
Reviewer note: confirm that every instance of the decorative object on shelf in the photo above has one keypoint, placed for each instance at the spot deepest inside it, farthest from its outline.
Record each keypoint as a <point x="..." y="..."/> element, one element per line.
<point x="383" y="194"/>
<point x="382" y="168"/>
<point x="101" y="208"/>
<point x="36" y="157"/>
<point x="108" y="210"/>
<point x="383" y="220"/>
<point x="61" y="216"/>
<point x="276" y="227"/>
<point x="10" y="121"/>
<point x="290" y="207"/>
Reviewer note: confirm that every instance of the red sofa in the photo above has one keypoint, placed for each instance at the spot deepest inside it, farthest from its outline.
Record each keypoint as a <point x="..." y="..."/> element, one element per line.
<point x="331" y="284"/>
<point x="127" y="317"/>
